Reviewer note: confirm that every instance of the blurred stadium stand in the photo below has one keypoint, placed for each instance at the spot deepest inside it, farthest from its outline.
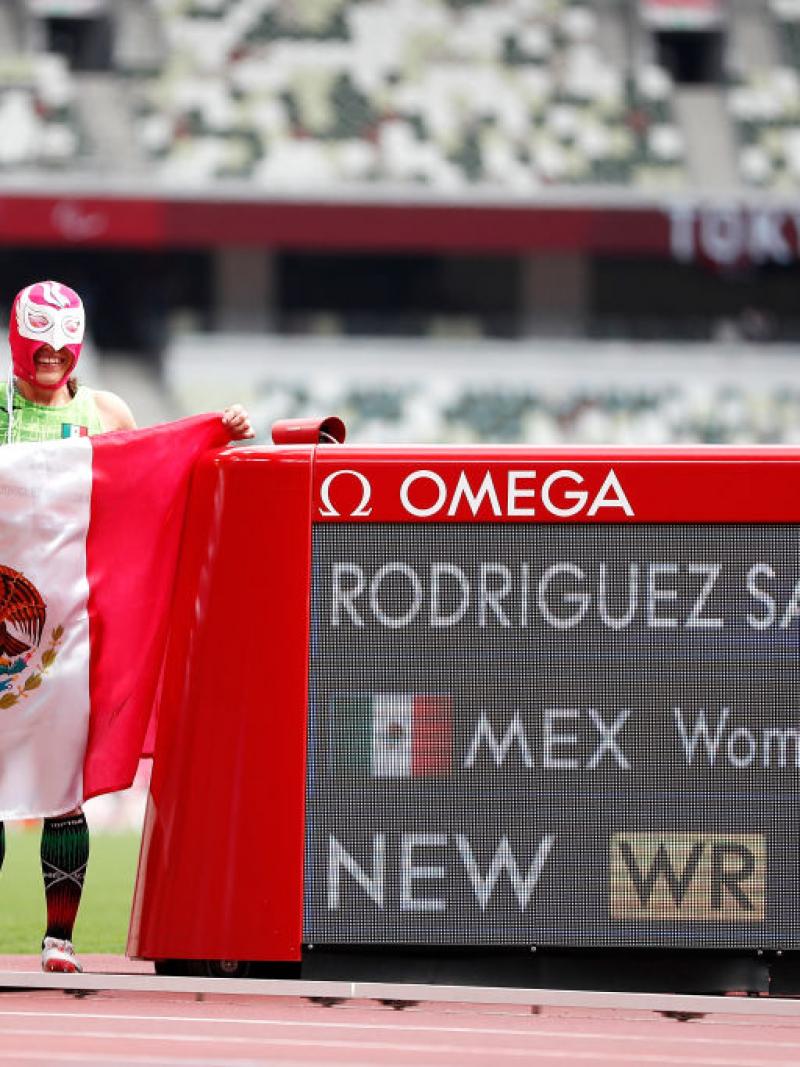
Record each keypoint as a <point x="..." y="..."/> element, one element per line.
<point x="440" y="93"/>
<point x="551" y="393"/>
<point x="765" y="99"/>
<point x="423" y="208"/>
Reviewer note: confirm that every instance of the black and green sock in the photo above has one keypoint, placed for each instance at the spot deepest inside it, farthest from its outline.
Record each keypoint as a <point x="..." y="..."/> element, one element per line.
<point x="65" y="854"/>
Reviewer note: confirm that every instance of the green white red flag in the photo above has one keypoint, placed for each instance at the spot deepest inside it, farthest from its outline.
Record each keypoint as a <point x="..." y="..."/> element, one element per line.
<point x="89" y="539"/>
<point x="392" y="735"/>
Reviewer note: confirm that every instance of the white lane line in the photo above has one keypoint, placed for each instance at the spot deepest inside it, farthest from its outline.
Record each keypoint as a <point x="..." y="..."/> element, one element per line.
<point x="431" y="994"/>
<point x="108" y="1059"/>
<point x="398" y="1028"/>
<point x="495" y="1050"/>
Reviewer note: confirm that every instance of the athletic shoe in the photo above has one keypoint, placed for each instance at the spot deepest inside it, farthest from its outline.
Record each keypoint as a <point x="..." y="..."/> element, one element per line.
<point x="59" y="957"/>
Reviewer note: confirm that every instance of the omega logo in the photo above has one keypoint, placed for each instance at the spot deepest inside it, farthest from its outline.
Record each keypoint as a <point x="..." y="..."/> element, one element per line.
<point x="329" y="511"/>
<point x="503" y="494"/>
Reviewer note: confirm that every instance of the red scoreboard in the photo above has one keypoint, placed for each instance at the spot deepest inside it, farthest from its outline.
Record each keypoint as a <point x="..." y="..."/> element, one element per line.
<point x="492" y="697"/>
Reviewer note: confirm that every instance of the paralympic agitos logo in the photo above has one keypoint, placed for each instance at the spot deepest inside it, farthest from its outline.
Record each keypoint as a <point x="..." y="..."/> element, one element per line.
<point x="465" y="494"/>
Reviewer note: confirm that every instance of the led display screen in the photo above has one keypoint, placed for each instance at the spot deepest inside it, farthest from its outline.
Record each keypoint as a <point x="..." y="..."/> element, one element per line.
<point x="578" y="735"/>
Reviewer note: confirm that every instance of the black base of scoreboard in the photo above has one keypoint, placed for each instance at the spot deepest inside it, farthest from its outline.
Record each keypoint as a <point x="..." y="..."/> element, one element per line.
<point x="631" y="970"/>
<point x="612" y="970"/>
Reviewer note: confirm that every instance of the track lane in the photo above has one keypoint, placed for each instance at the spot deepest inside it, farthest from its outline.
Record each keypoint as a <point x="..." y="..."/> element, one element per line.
<point x="144" y="1030"/>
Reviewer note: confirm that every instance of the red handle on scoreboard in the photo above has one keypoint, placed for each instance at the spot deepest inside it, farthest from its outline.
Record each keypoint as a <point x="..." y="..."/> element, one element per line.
<point x="330" y="430"/>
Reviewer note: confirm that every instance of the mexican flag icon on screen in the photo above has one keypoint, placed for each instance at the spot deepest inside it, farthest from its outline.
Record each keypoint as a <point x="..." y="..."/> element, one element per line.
<point x="392" y="735"/>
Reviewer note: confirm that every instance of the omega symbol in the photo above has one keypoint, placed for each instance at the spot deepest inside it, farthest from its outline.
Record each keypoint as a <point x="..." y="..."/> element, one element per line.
<point x="361" y="511"/>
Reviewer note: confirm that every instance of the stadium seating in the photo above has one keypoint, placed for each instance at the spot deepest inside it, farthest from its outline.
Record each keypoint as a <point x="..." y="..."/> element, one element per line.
<point x="446" y="94"/>
<point x="474" y="391"/>
<point x="638" y="416"/>
<point x="37" y="117"/>
<point x="765" y="105"/>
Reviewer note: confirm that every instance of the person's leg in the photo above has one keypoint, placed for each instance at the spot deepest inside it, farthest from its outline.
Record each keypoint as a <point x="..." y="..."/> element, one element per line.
<point x="65" y="854"/>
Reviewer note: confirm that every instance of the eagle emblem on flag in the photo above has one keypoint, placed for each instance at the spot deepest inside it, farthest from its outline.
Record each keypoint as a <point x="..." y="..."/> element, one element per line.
<point x="23" y="615"/>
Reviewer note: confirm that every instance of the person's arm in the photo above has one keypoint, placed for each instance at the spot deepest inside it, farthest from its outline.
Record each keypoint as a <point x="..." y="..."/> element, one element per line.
<point x="114" y="412"/>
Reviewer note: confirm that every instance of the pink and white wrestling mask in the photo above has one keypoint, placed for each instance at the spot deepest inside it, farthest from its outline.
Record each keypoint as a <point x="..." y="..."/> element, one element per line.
<point x="45" y="313"/>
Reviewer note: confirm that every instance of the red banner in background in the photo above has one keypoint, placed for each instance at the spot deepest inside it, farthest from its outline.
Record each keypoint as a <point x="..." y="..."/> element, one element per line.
<point x="140" y="223"/>
<point x="81" y="221"/>
<point x="723" y="234"/>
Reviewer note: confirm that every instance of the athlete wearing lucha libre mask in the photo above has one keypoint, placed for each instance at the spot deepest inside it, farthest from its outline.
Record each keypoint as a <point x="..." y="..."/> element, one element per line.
<point x="46" y="313"/>
<point x="42" y="401"/>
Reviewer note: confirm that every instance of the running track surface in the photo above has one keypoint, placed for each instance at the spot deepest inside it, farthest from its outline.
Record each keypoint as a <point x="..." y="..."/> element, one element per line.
<point x="51" y="1027"/>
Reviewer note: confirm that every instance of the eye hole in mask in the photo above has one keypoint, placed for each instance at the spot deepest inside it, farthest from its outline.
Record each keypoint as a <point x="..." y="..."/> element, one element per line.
<point x="72" y="327"/>
<point x="38" y="320"/>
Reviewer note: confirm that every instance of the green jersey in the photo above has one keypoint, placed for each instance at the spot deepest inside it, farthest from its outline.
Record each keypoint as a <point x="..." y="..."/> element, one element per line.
<point x="38" y="422"/>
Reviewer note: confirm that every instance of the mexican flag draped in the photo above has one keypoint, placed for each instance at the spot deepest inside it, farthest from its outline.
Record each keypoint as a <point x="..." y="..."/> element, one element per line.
<point x="89" y="538"/>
